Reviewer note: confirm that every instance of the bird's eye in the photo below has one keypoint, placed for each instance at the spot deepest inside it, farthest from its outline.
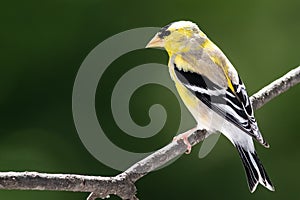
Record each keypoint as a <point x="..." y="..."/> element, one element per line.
<point x="164" y="33"/>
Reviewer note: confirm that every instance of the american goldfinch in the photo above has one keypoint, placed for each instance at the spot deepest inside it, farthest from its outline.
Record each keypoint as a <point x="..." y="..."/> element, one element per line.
<point x="213" y="92"/>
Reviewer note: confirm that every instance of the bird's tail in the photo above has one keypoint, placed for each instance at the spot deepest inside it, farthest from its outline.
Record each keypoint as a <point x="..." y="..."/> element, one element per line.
<point x="254" y="169"/>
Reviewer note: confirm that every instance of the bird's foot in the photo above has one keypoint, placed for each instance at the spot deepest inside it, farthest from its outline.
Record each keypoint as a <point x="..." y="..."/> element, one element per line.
<point x="184" y="136"/>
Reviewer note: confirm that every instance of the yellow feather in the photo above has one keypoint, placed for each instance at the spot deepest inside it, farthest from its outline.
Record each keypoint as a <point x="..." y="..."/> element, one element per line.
<point x="189" y="100"/>
<point x="208" y="45"/>
<point x="224" y="66"/>
<point x="183" y="64"/>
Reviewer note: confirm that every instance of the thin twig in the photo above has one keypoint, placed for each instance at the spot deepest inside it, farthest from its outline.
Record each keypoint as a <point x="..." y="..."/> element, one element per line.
<point x="275" y="88"/>
<point x="122" y="185"/>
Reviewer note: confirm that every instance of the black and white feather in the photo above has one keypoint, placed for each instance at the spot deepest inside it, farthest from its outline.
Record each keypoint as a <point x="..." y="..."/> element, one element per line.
<point x="254" y="170"/>
<point x="213" y="92"/>
<point x="234" y="106"/>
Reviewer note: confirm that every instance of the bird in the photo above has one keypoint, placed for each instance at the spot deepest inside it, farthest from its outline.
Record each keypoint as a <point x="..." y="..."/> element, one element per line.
<point x="213" y="92"/>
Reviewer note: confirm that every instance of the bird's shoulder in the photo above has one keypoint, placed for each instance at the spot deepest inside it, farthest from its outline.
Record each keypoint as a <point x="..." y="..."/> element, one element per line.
<point x="199" y="62"/>
<point x="218" y="85"/>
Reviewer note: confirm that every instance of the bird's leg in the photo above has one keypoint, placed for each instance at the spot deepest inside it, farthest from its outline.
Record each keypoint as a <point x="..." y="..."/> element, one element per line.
<point x="184" y="136"/>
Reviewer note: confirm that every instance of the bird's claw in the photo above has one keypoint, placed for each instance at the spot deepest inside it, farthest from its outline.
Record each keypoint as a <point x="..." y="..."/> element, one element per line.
<point x="184" y="137"/>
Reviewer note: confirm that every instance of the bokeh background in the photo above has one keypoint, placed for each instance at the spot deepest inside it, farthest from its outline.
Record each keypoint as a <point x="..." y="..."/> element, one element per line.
<point x="43" y="44"/>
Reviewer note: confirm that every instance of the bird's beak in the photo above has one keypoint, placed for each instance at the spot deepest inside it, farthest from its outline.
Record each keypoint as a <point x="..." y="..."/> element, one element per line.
<point x="155" y="42"/>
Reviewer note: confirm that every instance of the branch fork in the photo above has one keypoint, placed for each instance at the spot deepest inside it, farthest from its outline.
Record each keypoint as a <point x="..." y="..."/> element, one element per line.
<point x="123" y="185"/>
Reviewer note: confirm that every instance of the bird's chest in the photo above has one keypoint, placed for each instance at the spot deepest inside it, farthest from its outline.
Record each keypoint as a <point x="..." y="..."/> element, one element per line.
<point x="202" y="114"/>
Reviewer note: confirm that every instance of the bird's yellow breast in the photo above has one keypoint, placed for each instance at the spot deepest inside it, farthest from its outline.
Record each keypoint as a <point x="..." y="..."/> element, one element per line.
<point x="201" y="113"/>
<point x="187" y="97"/>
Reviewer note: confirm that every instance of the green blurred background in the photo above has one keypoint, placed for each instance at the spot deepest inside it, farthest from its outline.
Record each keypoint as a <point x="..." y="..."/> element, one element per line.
<point x="43" y="44"/>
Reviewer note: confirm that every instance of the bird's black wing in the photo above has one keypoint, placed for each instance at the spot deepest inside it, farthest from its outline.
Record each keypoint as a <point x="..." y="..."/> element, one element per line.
<point x="234" y="106"/>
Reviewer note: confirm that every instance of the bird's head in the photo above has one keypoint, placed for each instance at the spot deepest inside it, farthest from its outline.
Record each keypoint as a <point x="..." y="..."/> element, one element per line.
<point x="178" y="37"/>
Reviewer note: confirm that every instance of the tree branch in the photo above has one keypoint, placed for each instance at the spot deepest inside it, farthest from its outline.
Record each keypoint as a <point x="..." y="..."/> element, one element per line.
<point x="122" y="185"/>
<point x="275" y="88"/>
